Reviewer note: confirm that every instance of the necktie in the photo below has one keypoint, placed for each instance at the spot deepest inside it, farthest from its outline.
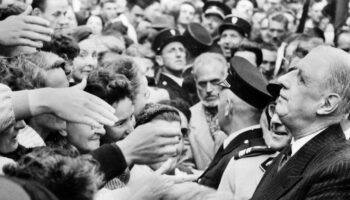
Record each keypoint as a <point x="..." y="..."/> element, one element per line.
<point x="287" y="154"/>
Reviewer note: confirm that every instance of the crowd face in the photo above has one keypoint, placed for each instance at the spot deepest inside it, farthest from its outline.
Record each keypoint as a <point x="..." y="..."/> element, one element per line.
<point x="302" y="90"/>
<point x="277" y="31"/>
<point x="229" y="40"/>
<point x="211" y="23"/>
<point x="272" y="5"/>
<point x="316" y="12"/>
<point x="186" y="14"/>
<point x="86" y="61"/>
<point x="174" y="57"/>
<point x="264" y="30"/>
<point x="109" y="10"/>
<point x="269" y="61"/>
<point x="8" y="138"/>
<point x="125" y="125"/>
<point x="56" y="13"/>
<point x="275" y="134"/>
<point x="208" y="78"/>
<point x="95" y="23"/>
<point x="84" y="137"/>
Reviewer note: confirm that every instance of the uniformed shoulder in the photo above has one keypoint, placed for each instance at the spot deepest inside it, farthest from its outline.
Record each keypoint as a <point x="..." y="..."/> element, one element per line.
<point x="254" y="151"/>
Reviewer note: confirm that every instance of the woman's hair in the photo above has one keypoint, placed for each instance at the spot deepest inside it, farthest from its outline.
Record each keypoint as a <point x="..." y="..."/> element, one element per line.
<point x="109" y="86"/>
<point x="66" y="174"/>
<point x="125" y="66"/>
<point x="36" y="65"/>
<point x="12" y="76"/>
<point x="63" y="45"/>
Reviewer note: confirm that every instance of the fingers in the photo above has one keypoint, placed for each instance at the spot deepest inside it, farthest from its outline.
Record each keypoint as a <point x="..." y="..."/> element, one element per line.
<point x="99" y="118"/>
<point x="168" y="141"/>
<point x="31" y="43"/>
<point x="81" y="85"/>
<point x="89" y="121"/>
<point x="27" y="11"/>
<point x="168" y="150"/>
<point x="95" y="100"/>
<point x="36" y="20"/>
<point x="39" y="29"/>
<point x="35" y="36"/>
<point x="165" y="167"/>
<point x="167" y="131"/>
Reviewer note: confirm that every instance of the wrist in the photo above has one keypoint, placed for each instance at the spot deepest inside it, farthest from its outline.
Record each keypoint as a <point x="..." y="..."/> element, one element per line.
<point x="38" y="100"/>
<point x="123" y="146"/>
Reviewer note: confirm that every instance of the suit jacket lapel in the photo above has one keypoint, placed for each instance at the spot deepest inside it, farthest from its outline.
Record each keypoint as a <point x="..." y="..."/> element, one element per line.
<point x="275" y="184"/>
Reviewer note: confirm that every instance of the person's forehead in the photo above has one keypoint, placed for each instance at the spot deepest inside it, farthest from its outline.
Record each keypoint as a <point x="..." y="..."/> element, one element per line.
<point x="230" y="32"/>
<point x="174" y="44"/>
<point x="210" y="70"/>
<point x="245" y="3"/>
<point x="276" y="25"/>
<point x="54" y="5"/>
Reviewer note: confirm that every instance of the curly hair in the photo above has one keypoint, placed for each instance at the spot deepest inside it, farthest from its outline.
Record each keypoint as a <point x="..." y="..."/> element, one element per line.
<point x="109" y="86"/>
<point x="12" y="9"/>
<point x="66" y="174"/>
<point x="63" y="45"/>
<point x="126" y="66"/>
<point x="13" y="76"/>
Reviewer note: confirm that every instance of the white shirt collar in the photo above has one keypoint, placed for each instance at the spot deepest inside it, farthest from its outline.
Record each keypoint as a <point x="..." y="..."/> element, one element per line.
<point x="347" y="133"/>
<point x="178" y="80"/>
<point x="235" y="134"/>
<point x="296" y="145"/>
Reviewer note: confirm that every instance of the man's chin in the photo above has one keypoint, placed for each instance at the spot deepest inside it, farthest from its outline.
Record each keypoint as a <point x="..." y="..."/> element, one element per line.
<point x="213" y="103"/>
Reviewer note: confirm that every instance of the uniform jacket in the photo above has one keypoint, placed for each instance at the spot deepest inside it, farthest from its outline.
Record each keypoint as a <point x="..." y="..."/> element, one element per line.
<point x="213" y="174"/>
<point x="174" y="90"/>
<point x="201" y="141"/>
<point x="242" y="175"/>
<point x="319" y="170"/>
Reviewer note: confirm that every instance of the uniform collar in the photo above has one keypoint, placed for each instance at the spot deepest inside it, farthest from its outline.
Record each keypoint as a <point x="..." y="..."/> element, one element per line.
<point x="178" y="80"/>
<point x="235" y="134"/>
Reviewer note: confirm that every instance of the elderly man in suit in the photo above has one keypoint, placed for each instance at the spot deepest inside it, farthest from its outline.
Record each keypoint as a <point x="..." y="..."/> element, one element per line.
<point x="314" y="99"/>
<point x="209" y="71"/>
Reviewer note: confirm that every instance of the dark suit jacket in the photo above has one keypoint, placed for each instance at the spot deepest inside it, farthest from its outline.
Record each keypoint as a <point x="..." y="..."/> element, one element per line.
<point x="174" y="90"/>
<point x="212" y="175"/>
<point x="319" y="170"/>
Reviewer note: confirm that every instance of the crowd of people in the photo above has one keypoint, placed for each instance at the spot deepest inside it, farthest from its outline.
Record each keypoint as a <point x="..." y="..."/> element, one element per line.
<point x="174" y="100"/>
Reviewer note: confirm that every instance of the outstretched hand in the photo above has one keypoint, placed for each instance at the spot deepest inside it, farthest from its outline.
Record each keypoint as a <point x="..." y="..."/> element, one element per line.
<point x="25" y="30"/>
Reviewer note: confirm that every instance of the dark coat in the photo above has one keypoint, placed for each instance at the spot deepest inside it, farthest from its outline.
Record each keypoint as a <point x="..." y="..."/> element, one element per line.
<point x="319" y="170"/>
<point x="213" y="174"/>
<point x="174" y="90"/>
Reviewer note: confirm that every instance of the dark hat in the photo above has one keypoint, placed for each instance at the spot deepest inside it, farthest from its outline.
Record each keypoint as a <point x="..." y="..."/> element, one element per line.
<point x="165" y="37"/>
<point x="247" y="83"/>
<point x="216" y="8"/>
<point x="161" y="22"/>
<point x="274" y="89"/>
<point x="151" y="110"/>
<point x="198" y="39"/>
<point x="236" y="23"/>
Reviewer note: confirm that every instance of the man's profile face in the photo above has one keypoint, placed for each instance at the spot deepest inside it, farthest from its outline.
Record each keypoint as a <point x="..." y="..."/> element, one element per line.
<point x="302" y="89"/>
<point x="229" y="40"/>
<point x="174" y="56"/>
<point x="208" y="77"/>
<point x="211" y="23"/>
<point x="56" y="13"/>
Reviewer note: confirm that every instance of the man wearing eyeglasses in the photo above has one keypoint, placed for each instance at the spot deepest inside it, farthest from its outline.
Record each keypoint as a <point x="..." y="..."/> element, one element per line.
<point x="209" y="70"/>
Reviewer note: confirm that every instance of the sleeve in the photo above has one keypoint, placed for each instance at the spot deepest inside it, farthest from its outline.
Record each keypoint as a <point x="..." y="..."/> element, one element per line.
<point x="7" y="115"/>
<point x="111" y="160"/>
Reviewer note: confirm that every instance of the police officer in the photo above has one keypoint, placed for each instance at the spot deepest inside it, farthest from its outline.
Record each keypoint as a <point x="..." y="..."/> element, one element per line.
<point x="214" y="13"/>
<point x="240" y="107"/>
<point x="171" y="56"/>
<point x="232" y="32"/>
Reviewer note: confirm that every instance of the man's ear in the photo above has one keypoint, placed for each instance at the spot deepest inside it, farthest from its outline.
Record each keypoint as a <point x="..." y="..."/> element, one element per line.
<point x="330" y="104"/>
<point x="63" y="133"/>
<point x="229" y="108"/>
<point x="159" y="60"/>
<point x="36" y="12"/>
